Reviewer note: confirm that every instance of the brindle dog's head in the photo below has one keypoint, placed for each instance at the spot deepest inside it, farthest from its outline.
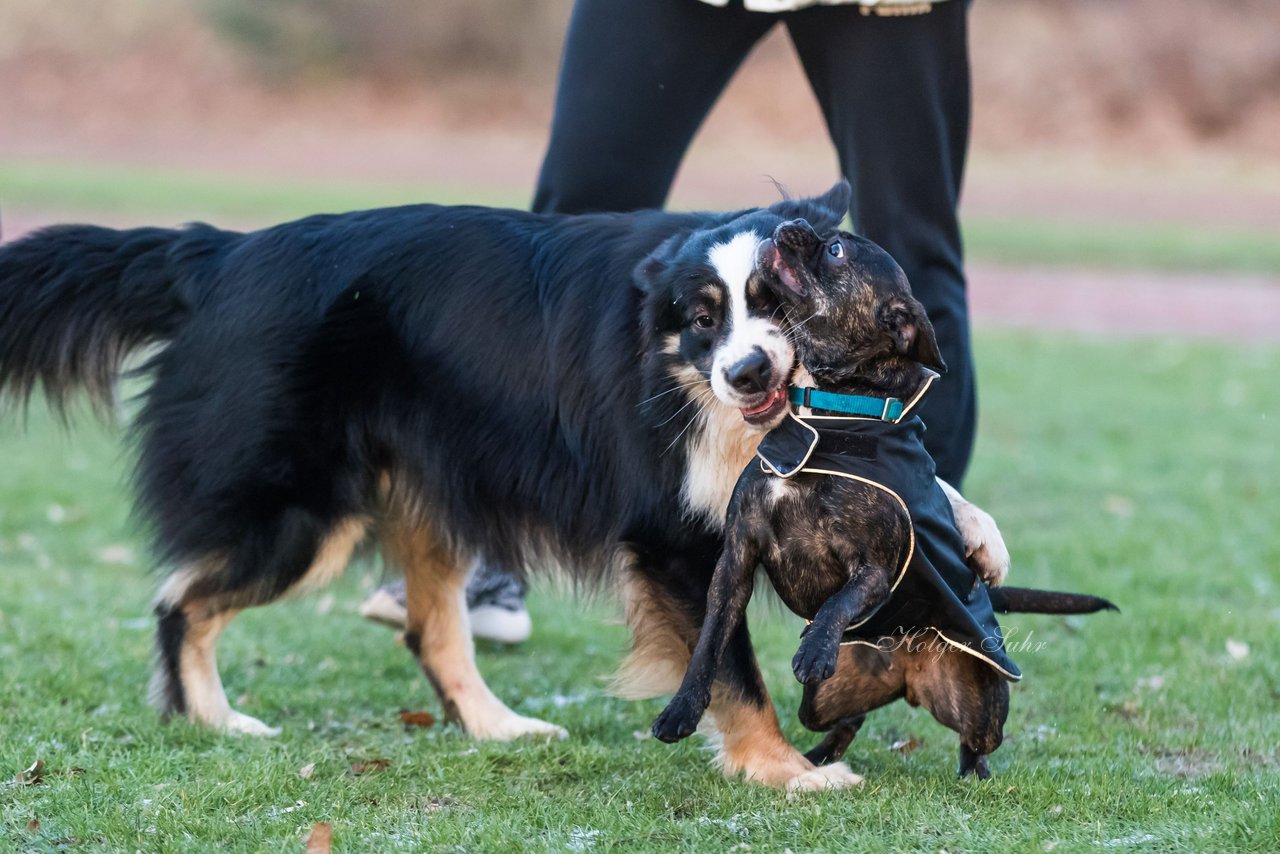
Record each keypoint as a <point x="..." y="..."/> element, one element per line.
<point x="855" y="325"/>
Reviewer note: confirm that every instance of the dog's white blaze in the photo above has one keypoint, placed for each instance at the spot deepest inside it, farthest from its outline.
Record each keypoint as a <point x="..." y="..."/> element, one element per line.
<point x="733" y="262"/>
<point x="721" y="444"/>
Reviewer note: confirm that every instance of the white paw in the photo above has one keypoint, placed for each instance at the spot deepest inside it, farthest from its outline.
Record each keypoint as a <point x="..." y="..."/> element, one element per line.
<point x="517" y="726"/>
<point x="838" y="775"/>
<point x="984" y="548"/>
<point x="240" y="724"/>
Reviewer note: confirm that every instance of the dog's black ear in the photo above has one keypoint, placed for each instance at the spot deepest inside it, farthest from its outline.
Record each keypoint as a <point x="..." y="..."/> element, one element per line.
<point x="824" y="213"/>
<point x="650" y="273"/>
<point x="836" y="202"/>
<point x="905" y="319"/>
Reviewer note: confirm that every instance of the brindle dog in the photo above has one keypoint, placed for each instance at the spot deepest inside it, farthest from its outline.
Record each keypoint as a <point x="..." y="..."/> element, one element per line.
<point x="847" y="552"/>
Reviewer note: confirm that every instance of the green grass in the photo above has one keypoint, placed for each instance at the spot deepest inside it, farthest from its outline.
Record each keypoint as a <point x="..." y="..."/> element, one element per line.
<point x="1123" y="244"/>
<point x="1141" y="471"/>
<point x="150" y="194"/>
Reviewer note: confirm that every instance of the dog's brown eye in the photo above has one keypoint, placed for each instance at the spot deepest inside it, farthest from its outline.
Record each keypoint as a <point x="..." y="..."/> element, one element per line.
<point x="704" y="321"/>
<point x="836" y="250"/>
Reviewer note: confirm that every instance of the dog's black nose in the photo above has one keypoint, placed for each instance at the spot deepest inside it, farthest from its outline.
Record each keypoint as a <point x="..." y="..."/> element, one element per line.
<point x="751" y="375"/>
<point x="797" y="235"/>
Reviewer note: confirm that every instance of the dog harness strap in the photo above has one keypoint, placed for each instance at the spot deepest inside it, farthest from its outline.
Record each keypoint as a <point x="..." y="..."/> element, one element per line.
<point x="882" y="408"/>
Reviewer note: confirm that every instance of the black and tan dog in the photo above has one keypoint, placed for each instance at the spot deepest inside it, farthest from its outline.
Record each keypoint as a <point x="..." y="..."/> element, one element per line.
<point x="845" y="514"/>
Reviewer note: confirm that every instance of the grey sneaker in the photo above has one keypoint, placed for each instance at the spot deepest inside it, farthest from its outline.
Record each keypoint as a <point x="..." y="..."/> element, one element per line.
<point x="495" y="603"/>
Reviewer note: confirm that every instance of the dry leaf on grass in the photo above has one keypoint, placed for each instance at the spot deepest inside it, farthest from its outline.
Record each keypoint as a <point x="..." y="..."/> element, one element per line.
<point x="320" y="839"/>
<point x="417" y="718"/>
<point x="32" y="776"/>
<point x="369" y="766"/>
<point x="906" y="747"/>
<point x="307" y="770"/>
<point x="33" y="825"/>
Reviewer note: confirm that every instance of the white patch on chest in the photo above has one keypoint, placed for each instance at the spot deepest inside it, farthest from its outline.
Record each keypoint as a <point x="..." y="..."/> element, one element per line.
<point x="779" y="489"/>
<point x="717" y="447"/>
<point x="720" y="447"/>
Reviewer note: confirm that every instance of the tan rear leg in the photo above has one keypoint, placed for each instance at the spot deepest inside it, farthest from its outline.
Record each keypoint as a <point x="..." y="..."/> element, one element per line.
<point x="751" y="744"/>
<point x="438" y="634"/>
<point x="186" y="679"/>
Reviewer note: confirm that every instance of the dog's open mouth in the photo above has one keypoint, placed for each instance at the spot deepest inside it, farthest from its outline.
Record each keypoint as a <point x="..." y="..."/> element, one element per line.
<point x="783" y="261"/>
<point x="768" y="409"/>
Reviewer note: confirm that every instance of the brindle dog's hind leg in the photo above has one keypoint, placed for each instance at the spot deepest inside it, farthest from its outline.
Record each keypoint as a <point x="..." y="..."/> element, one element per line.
<point x="438" y="634"/>
<point x="834" y="746"/>
<point x="866" y="678"/>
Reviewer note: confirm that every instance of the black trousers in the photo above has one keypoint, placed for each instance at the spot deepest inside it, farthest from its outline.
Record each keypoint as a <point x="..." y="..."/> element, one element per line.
<point x="639" y="76"/>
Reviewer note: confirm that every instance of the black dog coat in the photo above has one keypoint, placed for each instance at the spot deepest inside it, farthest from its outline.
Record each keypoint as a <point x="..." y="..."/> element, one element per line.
<point x="935" y="590"/>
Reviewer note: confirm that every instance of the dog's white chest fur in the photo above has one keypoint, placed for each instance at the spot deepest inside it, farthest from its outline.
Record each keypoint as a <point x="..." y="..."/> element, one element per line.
<point x="720" y="448"/>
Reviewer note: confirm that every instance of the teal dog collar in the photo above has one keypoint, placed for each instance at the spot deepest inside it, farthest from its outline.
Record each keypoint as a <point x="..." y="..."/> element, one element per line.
<point x="883" y="408"/>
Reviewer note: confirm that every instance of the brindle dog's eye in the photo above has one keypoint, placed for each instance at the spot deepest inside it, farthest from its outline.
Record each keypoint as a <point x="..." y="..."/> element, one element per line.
<point x="836" y="250"/>
<point x="704" y="321"/>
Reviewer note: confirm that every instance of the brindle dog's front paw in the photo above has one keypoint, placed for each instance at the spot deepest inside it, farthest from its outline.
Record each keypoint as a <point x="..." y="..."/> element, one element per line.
<point x="815" y="662"/>
<point x="678" y="720"/>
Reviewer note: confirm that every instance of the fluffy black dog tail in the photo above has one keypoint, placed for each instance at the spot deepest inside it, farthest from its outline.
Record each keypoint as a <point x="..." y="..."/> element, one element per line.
<point x="1024" y="600"/>
<point x="76" y="300"/>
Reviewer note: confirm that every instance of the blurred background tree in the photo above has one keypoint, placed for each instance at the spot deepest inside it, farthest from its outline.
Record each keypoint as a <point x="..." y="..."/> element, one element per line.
<point x="1155" y="74"/>
<point x="391" y="41"/>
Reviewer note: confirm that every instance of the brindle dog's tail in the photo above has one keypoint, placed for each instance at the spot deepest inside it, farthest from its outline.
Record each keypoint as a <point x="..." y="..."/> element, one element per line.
<point x="1024" y="600"/>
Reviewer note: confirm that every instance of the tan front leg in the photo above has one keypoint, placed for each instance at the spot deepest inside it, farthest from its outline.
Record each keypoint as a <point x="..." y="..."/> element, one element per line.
<point x="751" y="744"/>
<point x="438" y="633"/>
<point x="749" y="740"/>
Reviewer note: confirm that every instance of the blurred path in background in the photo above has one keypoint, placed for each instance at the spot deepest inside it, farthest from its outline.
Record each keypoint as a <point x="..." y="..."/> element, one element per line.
<point x="1235" y="308"/>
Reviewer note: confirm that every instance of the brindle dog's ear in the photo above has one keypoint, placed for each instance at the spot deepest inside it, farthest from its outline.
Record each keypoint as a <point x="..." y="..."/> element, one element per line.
<point x="836" y="202"/>
<point x="824" y="213"/>
<point x="905" y="319"/>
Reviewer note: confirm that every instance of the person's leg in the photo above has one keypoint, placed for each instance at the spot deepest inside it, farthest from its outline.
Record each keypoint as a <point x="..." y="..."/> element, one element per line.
<point x="495" y="606"/>
<point x="895" y="93"/>
<point x="636" y="81"/>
